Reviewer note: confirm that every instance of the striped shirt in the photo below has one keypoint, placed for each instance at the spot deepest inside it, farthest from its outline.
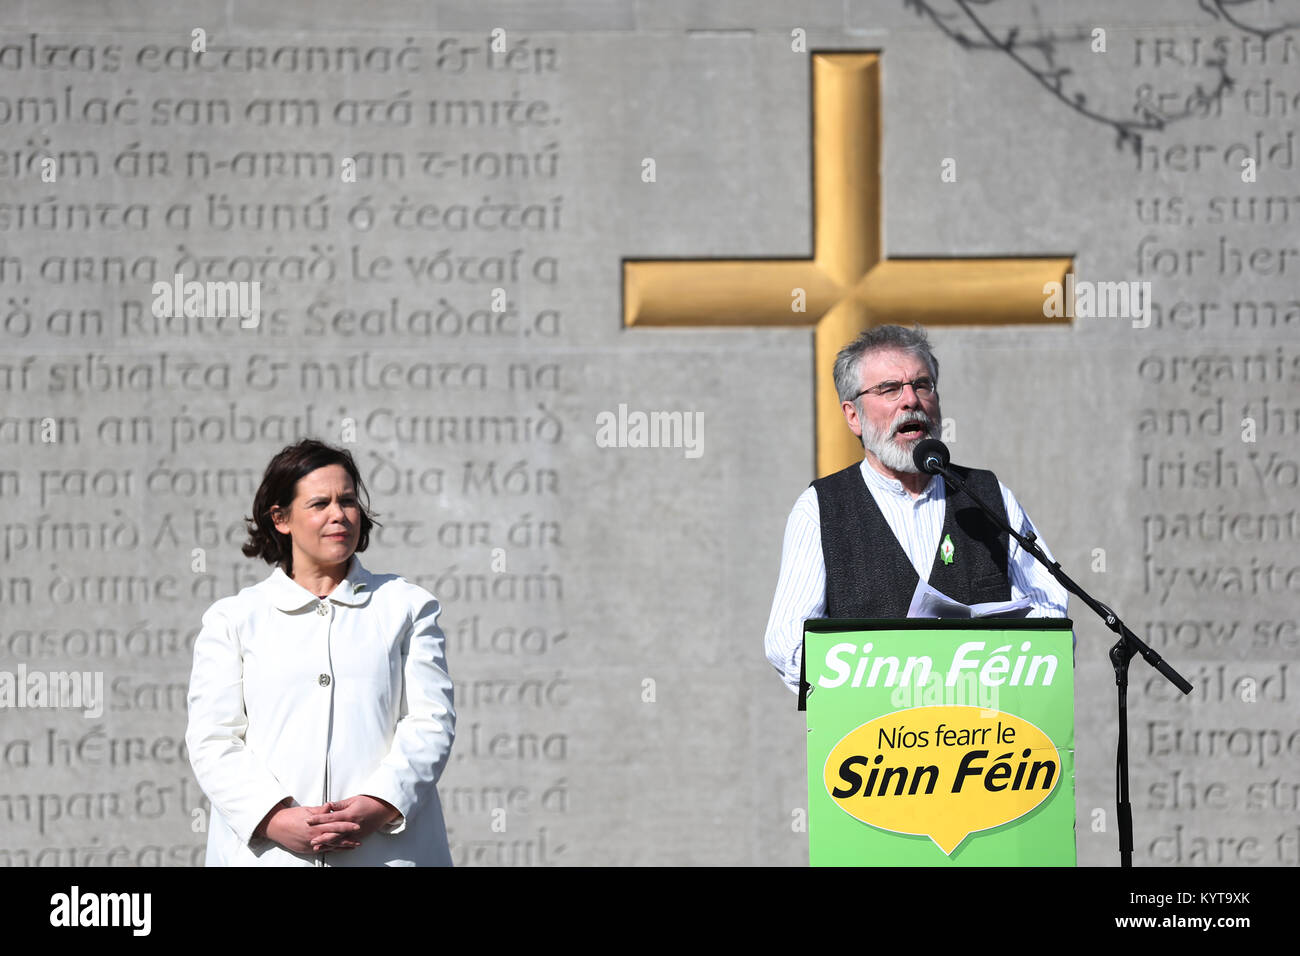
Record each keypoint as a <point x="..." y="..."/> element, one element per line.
<point x="917" y="524"/>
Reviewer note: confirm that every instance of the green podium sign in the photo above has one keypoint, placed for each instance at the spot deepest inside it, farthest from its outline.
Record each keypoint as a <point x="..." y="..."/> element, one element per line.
<point x="940" y="742"/>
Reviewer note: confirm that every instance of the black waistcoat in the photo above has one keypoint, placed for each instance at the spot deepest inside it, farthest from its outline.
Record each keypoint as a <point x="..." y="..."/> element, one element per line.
<point x="868" y="574"/>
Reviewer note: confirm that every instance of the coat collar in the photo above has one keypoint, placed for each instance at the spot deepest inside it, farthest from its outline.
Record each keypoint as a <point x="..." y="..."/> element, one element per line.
<point x="288" y="595"/>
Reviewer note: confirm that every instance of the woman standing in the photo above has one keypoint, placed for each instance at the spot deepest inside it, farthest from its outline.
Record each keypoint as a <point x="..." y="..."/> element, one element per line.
<point x="320" y="708"/>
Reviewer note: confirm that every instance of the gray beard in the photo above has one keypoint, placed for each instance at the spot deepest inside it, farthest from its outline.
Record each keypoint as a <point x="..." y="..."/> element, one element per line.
<point x="887" y="452"/>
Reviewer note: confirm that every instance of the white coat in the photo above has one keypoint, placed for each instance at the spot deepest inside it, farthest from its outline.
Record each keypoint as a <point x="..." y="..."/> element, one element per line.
<point x="320" y="700"/>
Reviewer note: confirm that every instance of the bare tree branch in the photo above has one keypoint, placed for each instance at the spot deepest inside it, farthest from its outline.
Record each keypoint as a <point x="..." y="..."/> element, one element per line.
<point x="1218" y="10"/>
<point x="1128" y="132"/>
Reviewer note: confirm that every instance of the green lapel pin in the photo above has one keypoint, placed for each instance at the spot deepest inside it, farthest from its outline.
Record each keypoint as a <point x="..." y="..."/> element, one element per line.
<point x="946" y="550"/>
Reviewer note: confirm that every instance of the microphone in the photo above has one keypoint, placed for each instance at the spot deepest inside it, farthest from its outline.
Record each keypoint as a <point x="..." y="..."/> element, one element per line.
<point x="930" y="455"/>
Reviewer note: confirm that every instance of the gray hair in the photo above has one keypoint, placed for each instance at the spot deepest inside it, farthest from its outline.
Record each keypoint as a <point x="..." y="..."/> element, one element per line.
<point x="884" y="338"/>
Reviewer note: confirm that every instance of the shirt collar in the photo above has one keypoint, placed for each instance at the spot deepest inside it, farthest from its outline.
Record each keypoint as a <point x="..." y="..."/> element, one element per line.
<point x="288" y="595"/>
<point x="934" y="487"/>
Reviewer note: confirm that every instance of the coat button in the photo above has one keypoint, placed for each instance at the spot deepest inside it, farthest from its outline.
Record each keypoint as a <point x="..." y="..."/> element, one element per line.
<point x="323" y="680"/>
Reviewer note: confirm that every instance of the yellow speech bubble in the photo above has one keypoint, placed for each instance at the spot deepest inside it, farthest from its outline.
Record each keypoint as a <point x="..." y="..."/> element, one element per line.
<point x="942" y="772"/>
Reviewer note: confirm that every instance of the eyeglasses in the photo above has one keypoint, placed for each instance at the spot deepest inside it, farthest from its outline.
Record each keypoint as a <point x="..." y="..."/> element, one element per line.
<point x="892" y="391"/>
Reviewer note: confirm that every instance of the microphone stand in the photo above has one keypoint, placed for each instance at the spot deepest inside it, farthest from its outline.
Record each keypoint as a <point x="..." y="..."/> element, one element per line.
<point x="1121" y="653"/>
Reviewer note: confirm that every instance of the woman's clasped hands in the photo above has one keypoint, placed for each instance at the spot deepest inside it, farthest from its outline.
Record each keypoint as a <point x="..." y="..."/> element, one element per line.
<point x="338" y="825"/>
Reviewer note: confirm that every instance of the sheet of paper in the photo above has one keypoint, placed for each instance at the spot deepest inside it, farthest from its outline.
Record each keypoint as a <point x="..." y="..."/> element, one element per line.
<point x="930" y="602"/>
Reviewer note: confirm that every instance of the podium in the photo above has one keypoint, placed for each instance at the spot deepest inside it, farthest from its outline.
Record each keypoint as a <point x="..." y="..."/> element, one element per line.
<point x="940" y="742"/>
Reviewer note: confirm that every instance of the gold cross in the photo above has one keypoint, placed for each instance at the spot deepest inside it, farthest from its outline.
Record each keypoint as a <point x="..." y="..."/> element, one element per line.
<point x="847" y="286"/>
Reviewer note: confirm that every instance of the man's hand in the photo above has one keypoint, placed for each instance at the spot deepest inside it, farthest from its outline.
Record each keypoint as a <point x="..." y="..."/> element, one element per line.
<point x="311" y="829"/>
<point x="365" y="813"/>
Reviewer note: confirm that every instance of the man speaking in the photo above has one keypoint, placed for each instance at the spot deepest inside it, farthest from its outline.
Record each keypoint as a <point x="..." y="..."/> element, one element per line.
<point x="858" y="541"/>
